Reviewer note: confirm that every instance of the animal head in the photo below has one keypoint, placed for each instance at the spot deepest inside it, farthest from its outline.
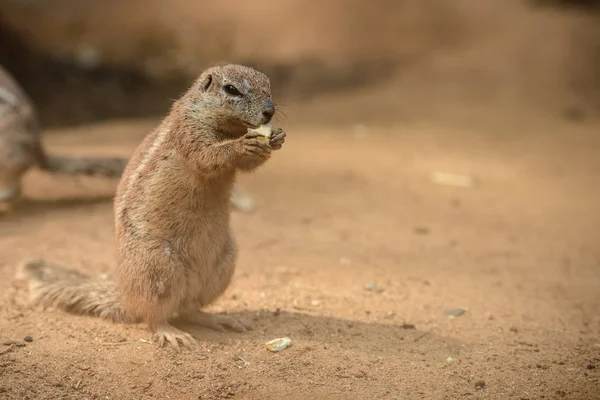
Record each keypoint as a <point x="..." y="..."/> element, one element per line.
<point x="231" y="98"/>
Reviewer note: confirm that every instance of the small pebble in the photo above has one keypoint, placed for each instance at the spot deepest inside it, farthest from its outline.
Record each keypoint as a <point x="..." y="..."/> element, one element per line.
<point x="28" y="339"/>
<point x="421" y="230"/>
<point x="238" y="358"/>
<point x="455" y="203"/>
<point x="514" y="329"/>
<point x="451" y="179"/>
<point x="480" y="384"/>
<point x="455" y="312"/>
<point x="345" y="261"/>
<point x="408" y="326"/>
<point x="373" y="286"/>
<point x="277" y="312"/>
<point x="591" y="366"/>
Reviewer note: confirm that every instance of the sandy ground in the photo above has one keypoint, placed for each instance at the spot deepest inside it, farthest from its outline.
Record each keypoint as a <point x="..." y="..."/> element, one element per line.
<point x="341" y="209"/>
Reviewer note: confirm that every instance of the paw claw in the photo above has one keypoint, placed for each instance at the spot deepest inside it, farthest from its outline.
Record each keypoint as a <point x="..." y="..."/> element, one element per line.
<point x="173" y="336"/>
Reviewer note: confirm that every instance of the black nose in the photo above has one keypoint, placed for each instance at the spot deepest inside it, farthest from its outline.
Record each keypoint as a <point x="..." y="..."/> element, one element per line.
<point x="269" y="110"/>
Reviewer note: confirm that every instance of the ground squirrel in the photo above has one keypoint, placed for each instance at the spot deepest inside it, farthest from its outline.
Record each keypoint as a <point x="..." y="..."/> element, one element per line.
<point x="176" y="252"/>
<point x="21" y="147"/>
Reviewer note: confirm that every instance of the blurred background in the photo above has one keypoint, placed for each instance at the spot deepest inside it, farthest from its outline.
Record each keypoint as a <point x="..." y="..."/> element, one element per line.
<point x="434" y="210"/>
<point x="84" y="61"/>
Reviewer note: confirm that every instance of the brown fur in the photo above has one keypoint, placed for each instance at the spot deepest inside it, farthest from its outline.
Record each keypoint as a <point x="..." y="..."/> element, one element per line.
<point x="176" y="252"/>
<point x="21" y="147"/>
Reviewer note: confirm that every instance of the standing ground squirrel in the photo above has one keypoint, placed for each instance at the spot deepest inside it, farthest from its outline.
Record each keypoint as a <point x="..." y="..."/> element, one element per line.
<point x="176" y="252"/>
<point x="21" y="147"/>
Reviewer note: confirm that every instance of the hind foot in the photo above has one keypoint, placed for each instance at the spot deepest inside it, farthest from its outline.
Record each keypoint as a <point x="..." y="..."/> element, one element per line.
<point x="215" y="321"/>
<point x="168" y="334"/>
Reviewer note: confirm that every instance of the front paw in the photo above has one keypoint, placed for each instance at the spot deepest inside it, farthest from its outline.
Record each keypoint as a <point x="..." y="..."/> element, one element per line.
<point x="254" y="145"/>
<point x="255" y="150"/>
<point x="277" y="138"/>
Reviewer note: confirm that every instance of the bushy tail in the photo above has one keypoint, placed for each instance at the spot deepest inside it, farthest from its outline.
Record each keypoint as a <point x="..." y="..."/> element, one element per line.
<point x="111" y="167"/>
<point x="54" y="286"/>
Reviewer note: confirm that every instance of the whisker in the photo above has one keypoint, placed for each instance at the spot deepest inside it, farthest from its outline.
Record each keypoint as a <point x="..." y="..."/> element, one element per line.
<point x="281" y="117"/>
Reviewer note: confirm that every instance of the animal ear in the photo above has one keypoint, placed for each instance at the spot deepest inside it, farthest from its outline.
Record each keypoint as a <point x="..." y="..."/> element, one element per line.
<point x="207" y="82"/>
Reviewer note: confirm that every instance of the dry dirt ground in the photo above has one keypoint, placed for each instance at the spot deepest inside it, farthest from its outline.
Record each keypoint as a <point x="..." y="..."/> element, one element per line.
<point x="341" y="209"/>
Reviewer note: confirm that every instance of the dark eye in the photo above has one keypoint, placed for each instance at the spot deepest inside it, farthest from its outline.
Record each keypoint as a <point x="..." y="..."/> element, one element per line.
<point x="232" y="90"/>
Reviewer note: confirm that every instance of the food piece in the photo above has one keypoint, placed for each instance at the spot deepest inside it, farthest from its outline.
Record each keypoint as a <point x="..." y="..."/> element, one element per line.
<point x="276" y="345"/>
<point x="263" y="130"/>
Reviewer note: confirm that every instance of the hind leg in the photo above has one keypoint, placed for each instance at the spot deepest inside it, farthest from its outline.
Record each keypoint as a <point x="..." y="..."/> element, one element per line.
<point x="214" y="285"/>
<point x="153" y="285"/>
